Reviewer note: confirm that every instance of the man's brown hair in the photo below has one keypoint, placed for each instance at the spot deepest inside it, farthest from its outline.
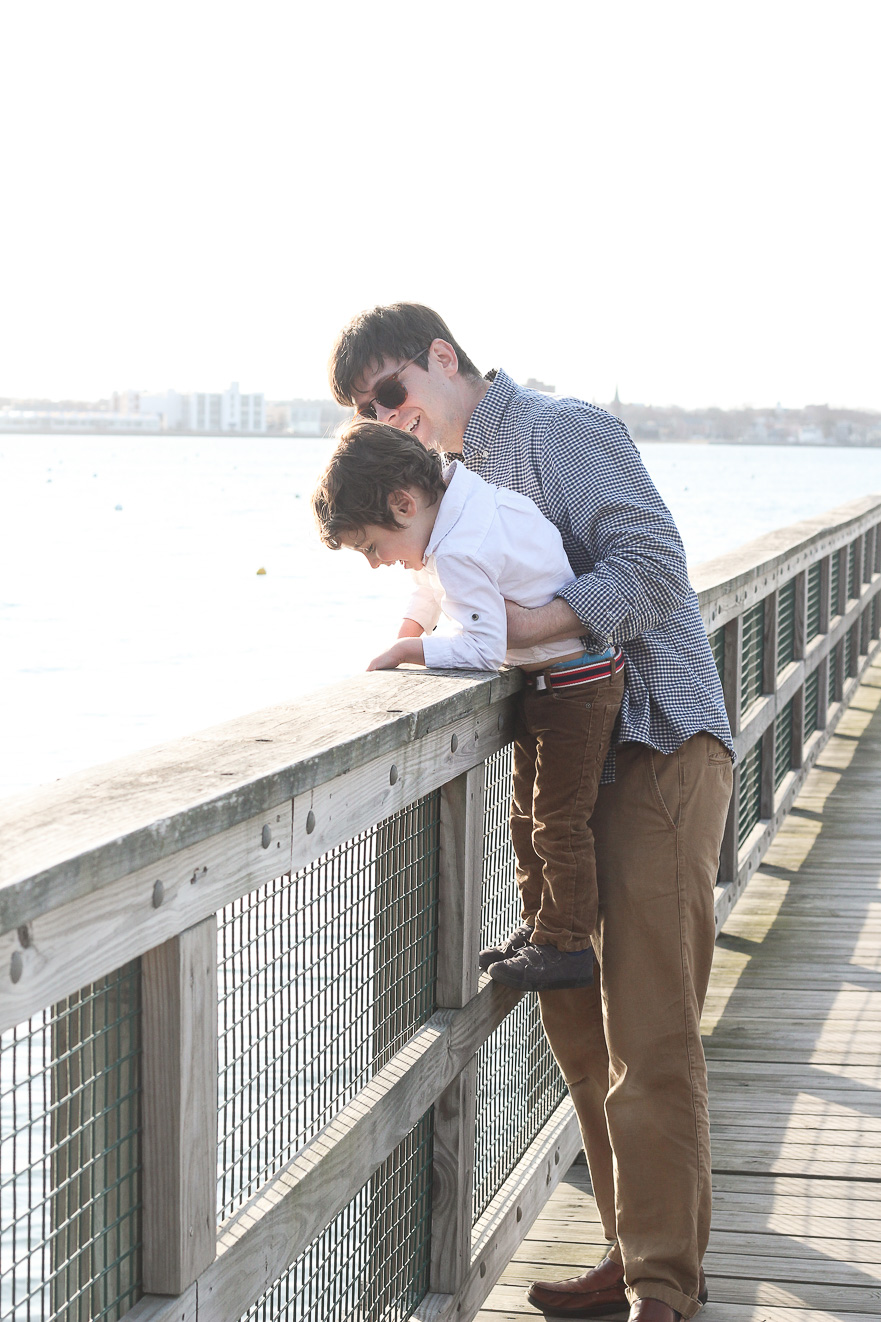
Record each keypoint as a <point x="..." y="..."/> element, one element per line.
<point x="390" y="334"/>
<point x="369" y="464"/>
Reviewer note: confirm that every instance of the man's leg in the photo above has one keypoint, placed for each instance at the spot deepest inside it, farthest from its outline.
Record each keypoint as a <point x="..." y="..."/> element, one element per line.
<point x="657" y="831"/>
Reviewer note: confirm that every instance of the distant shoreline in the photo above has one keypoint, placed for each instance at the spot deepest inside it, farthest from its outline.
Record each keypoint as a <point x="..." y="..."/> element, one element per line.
<point x="294" y="436"/>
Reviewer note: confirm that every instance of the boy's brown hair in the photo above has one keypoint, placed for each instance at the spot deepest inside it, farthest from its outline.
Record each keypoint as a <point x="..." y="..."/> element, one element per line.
<point x="396" y="333"/>
<point x="369" y="464"/>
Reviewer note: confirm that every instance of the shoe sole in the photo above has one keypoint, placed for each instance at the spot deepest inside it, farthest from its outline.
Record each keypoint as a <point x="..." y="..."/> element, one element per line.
<point x="595" y="1310"/>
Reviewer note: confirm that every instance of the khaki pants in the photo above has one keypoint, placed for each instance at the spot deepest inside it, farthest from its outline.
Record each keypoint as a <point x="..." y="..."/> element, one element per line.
<point x="561" y="738"/>
<point x="629" y="1046"/>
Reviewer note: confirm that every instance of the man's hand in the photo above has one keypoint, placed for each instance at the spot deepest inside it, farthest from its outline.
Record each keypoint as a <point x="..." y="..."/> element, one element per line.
<point x="542" y="624"/>
<point x="405" y="649"/>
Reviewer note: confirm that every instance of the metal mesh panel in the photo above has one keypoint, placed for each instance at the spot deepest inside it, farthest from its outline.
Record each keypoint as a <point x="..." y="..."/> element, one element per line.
<point x="750" y="799"/>
<point x="833" y="671"/>
<point x="717" y="647"/>
<point x="786" y="625"/>
<point x="753" y="645"/>
<point x="518" y="1082"/>
<point x="70" y="1193"/>
<point x="371" y="1264"/>
<point x="848" y="652"/>
<point x="782" y="744"/>
<point x="853" y="589"/>
<point x="323" y="976"/>
<point x="834" y="567"/>
<point x="812" y="702"/>
<point x="813" y="610"/>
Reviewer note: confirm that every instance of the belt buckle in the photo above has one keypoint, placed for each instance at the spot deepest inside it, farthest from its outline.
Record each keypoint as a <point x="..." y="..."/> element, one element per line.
<point x="540" y="683"/>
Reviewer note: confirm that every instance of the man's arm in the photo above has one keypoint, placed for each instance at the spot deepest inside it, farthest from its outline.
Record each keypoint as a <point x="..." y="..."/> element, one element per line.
<point x="552" y="623"/>
<point x="598" y="492"/>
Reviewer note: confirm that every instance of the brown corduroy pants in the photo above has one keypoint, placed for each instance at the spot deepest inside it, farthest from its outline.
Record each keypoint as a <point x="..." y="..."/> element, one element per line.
<point x="629" y="1046"/>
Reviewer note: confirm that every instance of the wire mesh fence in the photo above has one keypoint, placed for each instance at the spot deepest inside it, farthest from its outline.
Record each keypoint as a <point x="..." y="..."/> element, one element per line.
<point x="372" y="1262"/>
<point x="323" y="975"/>
<point x="70" y="1198"/>
<point x="518" y="1082"/>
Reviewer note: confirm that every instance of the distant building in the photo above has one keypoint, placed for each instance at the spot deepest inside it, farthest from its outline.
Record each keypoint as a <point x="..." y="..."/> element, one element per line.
<point x="76" y="420"/>
<point x="532" y="384"/>
<point x="227" y="411"/>
<point x="307" y="417"/>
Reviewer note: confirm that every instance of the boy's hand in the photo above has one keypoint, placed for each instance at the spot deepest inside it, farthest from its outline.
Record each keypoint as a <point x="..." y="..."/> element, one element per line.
<point x="404" y="650"/>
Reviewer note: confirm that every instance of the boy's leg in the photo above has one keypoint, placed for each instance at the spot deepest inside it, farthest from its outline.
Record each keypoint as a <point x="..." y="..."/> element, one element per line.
<point x="528" y="863"/>
<point x="572" y="728"/>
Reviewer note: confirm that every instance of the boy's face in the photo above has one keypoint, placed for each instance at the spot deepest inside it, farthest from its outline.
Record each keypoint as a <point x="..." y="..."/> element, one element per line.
<point x="404" y="545"/>
<point x="432" y="410"/>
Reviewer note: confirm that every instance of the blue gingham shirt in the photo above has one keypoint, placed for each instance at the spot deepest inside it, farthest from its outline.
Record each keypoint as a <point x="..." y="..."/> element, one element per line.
<point x="584" y="473"/>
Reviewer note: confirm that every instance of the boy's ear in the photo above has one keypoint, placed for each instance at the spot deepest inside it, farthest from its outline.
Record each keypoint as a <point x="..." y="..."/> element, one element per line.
<point x="402" y="503"/>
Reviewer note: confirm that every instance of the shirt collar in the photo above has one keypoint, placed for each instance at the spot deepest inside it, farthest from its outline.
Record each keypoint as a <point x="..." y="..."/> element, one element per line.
<point x="484" y="423"/>
<point x="451" y="506"/>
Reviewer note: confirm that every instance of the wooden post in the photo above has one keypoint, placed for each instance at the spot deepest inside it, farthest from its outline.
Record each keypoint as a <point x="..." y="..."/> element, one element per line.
<point x="800" y="646"/>
<point x="769" y="685"/>
<point x="461" y="873"/>
<point x="733" y="671"/>
<point x="180" y="1108"/>
<point x="732" y="678"/>
<point x="826" y="611"/>
<point x="769" y="650"/>
<point x="840" y="604"/>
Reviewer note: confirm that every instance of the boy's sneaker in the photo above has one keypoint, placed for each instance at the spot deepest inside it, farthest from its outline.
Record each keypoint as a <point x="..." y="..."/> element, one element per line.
<point x="545" y="968"/>
<point x="507" y="947"/>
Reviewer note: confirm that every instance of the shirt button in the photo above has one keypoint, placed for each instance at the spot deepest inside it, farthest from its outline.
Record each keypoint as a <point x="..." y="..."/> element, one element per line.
<point x="474" y="615"/>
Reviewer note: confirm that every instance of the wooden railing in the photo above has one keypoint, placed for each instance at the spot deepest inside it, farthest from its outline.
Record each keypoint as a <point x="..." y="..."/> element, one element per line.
<point x="137" y="864"/>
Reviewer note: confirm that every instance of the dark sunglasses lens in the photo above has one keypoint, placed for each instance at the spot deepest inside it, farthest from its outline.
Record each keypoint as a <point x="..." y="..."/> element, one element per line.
<point x="391" y="393"/>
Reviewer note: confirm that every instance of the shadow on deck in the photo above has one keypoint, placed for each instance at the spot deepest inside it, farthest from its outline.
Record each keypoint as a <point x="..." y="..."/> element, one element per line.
<point x="792" y="1032"/>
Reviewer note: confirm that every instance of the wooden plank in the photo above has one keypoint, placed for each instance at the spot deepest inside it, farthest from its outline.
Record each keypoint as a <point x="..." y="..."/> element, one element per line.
<point x="179" y="1043"/>
<point x="502" y="1226"/>
<point x="136" y="912"/>
<point x="65" y="840"/>
<point x="461" y="868"/>
<point x="260" y="1241"/>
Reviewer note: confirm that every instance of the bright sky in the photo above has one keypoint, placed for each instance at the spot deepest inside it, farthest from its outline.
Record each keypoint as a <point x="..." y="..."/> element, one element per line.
<point x="676" y="199"/>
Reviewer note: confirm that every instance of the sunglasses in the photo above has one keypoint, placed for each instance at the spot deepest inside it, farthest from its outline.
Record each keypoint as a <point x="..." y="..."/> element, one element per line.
<point x="390" y="392"/>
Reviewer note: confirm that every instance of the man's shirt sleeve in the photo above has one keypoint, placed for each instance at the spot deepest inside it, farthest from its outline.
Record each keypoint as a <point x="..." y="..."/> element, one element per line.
<point x="639" y="576"/>
<point x="472" y="600"/>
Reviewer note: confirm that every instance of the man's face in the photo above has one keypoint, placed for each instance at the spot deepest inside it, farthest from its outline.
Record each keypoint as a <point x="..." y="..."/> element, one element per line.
<point x="432" y="411"/>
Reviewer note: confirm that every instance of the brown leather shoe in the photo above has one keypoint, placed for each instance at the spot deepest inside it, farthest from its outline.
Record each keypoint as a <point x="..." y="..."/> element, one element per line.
<point x="598" y="1291"/>
<point x="652" y="1310"/>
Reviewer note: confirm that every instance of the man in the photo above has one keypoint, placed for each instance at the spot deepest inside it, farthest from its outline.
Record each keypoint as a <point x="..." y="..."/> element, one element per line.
<point x="628" y="1046"/>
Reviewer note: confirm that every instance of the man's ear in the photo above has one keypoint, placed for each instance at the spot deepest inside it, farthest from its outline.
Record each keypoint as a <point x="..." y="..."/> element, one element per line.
<point x="445" y="356"/>
<point x="402" y="504"/>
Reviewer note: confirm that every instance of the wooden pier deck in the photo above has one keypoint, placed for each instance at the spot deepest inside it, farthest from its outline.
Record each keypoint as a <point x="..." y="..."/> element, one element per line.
<point x="792" y="1034"/>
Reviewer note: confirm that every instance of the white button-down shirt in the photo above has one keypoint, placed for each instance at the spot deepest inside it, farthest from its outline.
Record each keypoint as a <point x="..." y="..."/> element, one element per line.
<point x="487" y="544"/>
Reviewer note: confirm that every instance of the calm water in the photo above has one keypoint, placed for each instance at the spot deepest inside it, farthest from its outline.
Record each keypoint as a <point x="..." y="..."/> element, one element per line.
<point x="131" y="610"/>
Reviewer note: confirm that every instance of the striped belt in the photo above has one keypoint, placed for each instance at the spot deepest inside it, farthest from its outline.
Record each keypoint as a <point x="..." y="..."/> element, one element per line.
<point x="569" y="674"/>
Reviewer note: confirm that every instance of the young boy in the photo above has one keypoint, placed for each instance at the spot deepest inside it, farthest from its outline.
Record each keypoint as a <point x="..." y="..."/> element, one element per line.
<point x="471" y="545"/>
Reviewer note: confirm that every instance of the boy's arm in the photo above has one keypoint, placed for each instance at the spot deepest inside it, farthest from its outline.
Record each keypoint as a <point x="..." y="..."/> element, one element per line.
<point x="404" y="651"/>
<point x="410" y="629"/>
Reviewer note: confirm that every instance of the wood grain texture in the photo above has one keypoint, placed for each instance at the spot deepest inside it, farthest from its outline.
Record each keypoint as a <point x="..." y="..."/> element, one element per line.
<point x="792" y="1030"/>
<point x="65" y="840"/>
<point x="179" y="1034"/>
